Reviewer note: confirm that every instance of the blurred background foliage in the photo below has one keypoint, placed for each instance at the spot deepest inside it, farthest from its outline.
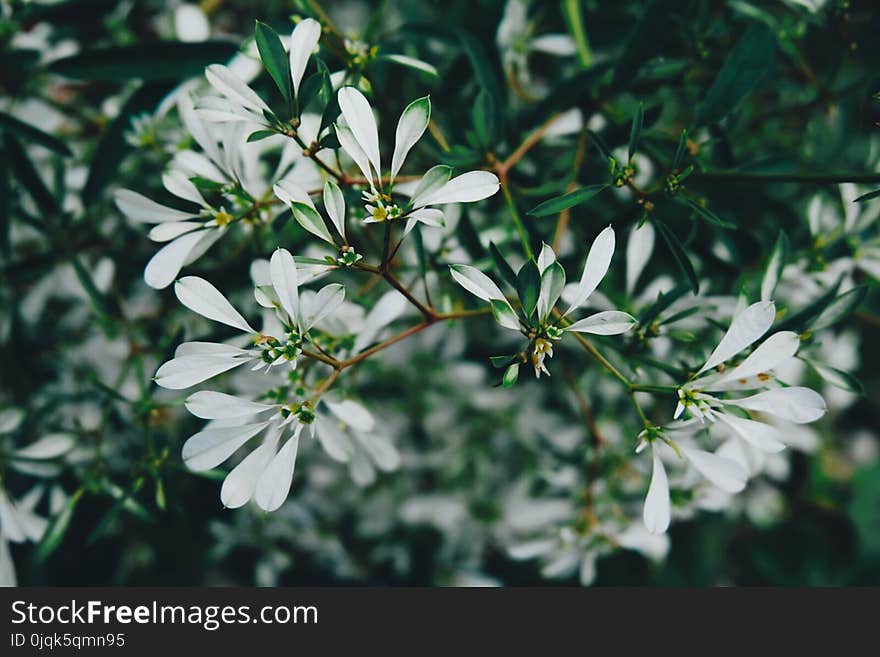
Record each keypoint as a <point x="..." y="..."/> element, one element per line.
<point x="799" y="111"/>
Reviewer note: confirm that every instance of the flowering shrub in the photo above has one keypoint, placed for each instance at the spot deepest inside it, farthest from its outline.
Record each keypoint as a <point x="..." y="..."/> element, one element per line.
<point x="386" y="221"/>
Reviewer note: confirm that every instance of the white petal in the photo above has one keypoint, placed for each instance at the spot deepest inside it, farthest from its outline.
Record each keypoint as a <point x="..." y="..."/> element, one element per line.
<point x="185" y="371"/>
<point x="288" y="192"/>
<point x="352" y="414"/>
<point x="595" y="268"/>
<point x="350" y="145"/>
<point x="560" y="45"/>
<point x="546" y="258"/>
<point x="47" y="447"/>
<point x="796" y="404"/>
<point x="466" y="188"/>
<point x="747" y="326"/>
<point x="771" y="353"/>
<point x="388" y="308"/>
<point x="303" y="40"/>
<point x="171" y="230"/>
<point x="283" y="271"/>
<point x="139" y="208"/>
<point x="728" y="475"/>
<point x="429" y="216"/>
<point x="433" y="180"/>
<point x="758" y="434"/>
<point x="273" y="485"/>
<point x="239" y="485"/>
<point x="166" y="264"/>
<point x="334" y="204"/>
<point x="334" y="441"/>
<point x="476" y="282"/>
<point x="608" y="322"/>
<point x="201" y="297"/>
<point x="411" y="62"/>
<point x="324" y="303"/>
<point x="210" y="405"/>
<point x="182" y="187"/>
<point x="552" y="284"/>
<point x="209" y="448"/>
<point x="381" y="450"/>
<point x="10" y="521"/>
<point x="638" y="251"/>
<point x="233" y="87"/>
<point x="410" y="128"/>
<point x="196" y="348"/>
<point x="656" y="512"/>
<point x="359" y="117"/>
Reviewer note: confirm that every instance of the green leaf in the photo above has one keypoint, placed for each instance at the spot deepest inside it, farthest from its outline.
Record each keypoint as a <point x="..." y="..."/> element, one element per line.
<point x="679" y="150"/>
<point x="664" y="300"/>
<point x="26" y="173"/>
<point x="486" y="72"/>
<point x="646" y="39"/>
<point x="528" y="287"/>
<point x="679" y="254"/>
<point x="800" y="320"/>
<point x="258" y="135"/>
<point x="837" y="378"/>
<point x="57" y="529"/>
<point x="309" y="219"/>
<point x="566" y="201"/>
<point x="501" y="264"/>
<point x="574" y="20"/>
<point x="706" y="213"/>
<point x="868" y="196"/>
<point x="112" y="146"/>
<point x="635" y="131"/>
<point x="841" y="307"/>
<point x="502" y="361"/>
<point x="747" y="63"/>
<point x="99" y="303"/>
<point x="511" y="374"/>
<point x="484" y="119"/>
<point x="149" y="61"/>
<point x="274" y="59"/>
<point x="29" y="133"/>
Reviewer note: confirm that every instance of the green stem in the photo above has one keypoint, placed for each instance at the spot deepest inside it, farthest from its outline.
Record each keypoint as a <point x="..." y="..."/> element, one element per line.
<point x="517" y="220"/>
<point x="575" y="19"/>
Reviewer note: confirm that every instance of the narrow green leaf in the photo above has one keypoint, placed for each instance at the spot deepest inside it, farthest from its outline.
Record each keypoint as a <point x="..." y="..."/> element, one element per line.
<point x="274" y="59"/>
<point x="800" y="320"/>
<point x="748" y="62"/>
<point x="775" y="265"/>
<point x="56" y="530"/>
<point x="706" y="213"/>
<point x="258" y="135"/>
<point x="26" y="173"/>
<point x="635" y="131"/>
<point x="840" y="308"/>
<point x="566" y="201"/>
<point x="502" y="361"/>
<point x="29" y="133"/>
<point x="868" y="196"/>
<point x="484" y="119"/>
<point x="679" y="150"/>
<point x="528" y="287"/>
<point x="501" y="264"/>
<point x="837" y="378"/>
<point x="574" y="20"/>
<point x="148" y="61"/>
<point x="664" y="300"/>
<point x="678" y="252"/>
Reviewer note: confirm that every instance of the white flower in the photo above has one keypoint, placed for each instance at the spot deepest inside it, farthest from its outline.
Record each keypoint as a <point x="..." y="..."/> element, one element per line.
<point x="195" y="362"/>
<point x="359" y="138"/>
<point x="347" y="435"/>
<point x="725" y="473"/>
<point x="534" y="319"/>
<point x="19" y="521"/>
<point x="795" y="404"/>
